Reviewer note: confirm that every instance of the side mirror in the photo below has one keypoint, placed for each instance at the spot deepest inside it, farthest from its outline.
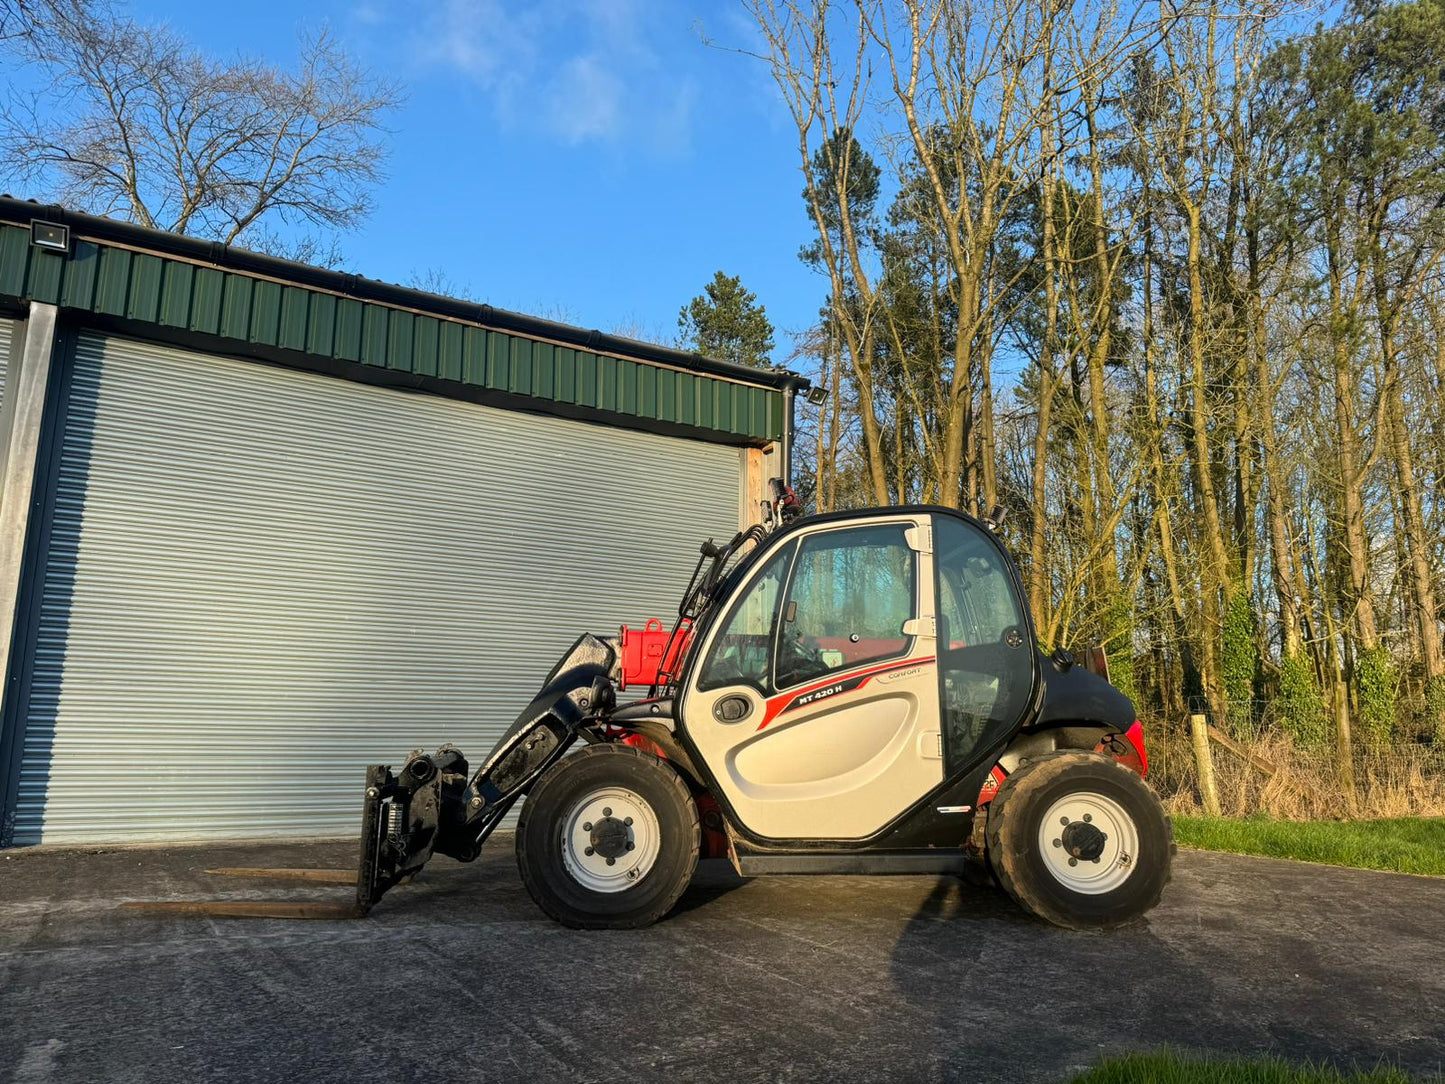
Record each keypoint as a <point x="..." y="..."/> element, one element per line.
<point x="1063" y="659"/>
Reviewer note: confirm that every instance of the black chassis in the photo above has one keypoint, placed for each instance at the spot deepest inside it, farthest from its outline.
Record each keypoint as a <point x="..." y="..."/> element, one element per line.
<point x="433" y="806"/>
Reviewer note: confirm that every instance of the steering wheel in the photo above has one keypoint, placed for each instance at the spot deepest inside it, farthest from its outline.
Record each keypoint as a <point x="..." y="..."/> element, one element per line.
<point x="799" y="655"/>
<point x="992" y="659"/>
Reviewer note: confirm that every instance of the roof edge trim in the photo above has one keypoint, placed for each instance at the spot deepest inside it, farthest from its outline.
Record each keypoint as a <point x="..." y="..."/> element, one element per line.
<point x="22" y="212"/>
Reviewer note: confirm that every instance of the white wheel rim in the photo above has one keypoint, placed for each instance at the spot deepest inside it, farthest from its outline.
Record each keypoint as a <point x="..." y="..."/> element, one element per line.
<point x="1069" y="821"/>
<point x="580" y="833"/>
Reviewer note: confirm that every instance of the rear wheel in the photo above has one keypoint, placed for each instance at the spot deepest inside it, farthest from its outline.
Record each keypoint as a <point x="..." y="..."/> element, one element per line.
<point x="1080" y="840"/>
<point x="608" y="839"/>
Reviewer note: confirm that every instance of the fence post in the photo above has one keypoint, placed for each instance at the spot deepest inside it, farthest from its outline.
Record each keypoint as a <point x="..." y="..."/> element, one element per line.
<point x="1204" y="762"/>
<point x="1346" y="752"/>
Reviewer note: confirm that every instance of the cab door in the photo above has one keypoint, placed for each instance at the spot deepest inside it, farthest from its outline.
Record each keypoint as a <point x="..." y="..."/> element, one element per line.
<point x="987" y="662"/>
<point x="816" y="701"/>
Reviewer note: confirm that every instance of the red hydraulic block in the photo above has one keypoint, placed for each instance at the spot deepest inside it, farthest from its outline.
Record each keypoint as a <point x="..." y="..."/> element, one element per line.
<point x="642" y="652"/>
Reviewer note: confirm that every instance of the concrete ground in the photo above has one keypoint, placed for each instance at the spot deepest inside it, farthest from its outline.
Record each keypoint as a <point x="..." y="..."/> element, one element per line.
<point x="459" y="977"/>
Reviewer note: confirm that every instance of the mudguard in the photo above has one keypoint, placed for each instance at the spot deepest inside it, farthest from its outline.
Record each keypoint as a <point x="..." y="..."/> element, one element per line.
<point x="1074" y="696"/>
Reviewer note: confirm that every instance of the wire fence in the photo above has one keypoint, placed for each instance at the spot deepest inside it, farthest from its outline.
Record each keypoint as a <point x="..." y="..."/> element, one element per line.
<point x="1414" y="721"/>
<point x="1260" y="769"/>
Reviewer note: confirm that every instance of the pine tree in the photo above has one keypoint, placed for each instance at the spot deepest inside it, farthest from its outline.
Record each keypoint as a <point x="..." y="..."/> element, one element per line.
<point x="725" y="321"/>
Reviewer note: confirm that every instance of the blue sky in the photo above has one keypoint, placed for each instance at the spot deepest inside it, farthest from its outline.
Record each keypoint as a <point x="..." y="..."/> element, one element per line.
<point x="588" y="160"/>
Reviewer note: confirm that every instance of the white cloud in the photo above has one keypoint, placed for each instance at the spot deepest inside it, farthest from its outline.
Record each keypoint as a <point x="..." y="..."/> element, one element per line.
<point x="481" y="39"/>
<point x="585" y="100"/>
<point x="369" y="14"/>
<point x="580" y="70"/>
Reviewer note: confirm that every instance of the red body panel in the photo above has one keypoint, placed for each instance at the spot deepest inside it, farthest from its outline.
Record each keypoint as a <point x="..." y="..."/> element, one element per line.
<point x="989" y="790"/>
<point x="1139" y="758"/>
<point x="714" y="842"/>
<point x="1126" y="748"/>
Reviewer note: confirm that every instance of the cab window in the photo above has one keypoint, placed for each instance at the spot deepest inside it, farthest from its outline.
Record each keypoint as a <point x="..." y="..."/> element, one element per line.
<point x="849" y="596"/>
<point x="985" y="655"/>
<point x="739" y="654"/>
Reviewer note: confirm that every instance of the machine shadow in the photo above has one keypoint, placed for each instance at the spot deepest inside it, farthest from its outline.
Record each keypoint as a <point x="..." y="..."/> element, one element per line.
<point x="714" y="879"/>
<point x="969" y="955"/>
<point x="491" y="888"/>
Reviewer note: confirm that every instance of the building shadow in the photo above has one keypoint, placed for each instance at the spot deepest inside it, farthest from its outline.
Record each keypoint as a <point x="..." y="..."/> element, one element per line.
<point x="49" y="569"/>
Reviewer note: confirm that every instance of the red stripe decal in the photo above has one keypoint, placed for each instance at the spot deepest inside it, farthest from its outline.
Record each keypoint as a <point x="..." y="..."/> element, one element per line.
<point x="845" y="682"/>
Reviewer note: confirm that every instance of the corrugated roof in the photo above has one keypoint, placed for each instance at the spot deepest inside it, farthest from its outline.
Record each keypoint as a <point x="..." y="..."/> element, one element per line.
<point x="145" y="280"/>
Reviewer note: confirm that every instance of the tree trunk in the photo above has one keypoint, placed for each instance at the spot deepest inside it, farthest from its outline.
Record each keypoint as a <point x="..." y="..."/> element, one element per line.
<point x="1352" y="501"/>
<point x="1416" y="538"/>
<point x="1039" y="601"/>
<point x="1215" y="576"/>
<point x="1282" y="558"/>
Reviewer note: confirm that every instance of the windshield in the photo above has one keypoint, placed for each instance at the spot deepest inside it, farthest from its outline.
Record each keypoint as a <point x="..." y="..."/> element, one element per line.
<point x="717" y="570"/>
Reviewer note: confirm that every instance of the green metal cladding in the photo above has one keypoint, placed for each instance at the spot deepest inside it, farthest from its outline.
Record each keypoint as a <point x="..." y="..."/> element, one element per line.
<point x="151" y="289"/>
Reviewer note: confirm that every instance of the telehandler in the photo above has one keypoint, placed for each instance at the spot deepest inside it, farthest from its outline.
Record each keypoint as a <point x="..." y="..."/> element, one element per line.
<point x="857" y="692"/>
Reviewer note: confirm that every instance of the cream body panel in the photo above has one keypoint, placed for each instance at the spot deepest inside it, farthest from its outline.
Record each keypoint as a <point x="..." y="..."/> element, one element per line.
<point x="840" y="766"/>
<point x="797" y="760"/>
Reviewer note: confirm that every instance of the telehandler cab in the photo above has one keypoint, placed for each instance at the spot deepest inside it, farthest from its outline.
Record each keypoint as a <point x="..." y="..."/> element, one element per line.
<point x="857" y="692"/>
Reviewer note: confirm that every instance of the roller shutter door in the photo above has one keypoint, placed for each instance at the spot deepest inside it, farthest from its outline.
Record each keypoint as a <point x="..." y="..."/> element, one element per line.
<point x="259" y="581"/>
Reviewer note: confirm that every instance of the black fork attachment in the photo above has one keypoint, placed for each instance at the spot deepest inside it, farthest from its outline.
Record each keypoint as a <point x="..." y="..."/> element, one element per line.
<point x="431" y="806"/>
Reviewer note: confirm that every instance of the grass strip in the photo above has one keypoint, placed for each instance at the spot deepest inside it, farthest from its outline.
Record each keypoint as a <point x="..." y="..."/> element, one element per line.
<point x="1168" y="1067"/>
<point x="1400" y="845"/>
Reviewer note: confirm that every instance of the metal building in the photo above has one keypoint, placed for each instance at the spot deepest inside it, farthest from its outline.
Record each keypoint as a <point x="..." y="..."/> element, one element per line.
<point x="262" y="524"/>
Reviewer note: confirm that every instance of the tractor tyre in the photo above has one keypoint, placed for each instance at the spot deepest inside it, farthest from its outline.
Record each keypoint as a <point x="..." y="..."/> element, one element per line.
<point x="1080" y="841"/>
<point x="608" y="839"/>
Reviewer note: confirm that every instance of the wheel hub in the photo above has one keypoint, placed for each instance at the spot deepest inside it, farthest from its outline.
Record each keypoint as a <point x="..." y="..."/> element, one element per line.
<point x="1088" y="842"/>
<point x="611" y="838"/>
<point x="1083" y="841"/>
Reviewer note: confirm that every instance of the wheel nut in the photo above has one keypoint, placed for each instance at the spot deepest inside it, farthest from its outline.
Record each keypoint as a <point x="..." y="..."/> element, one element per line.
<point x="630" y="845"/>
<point x="1064" y="821"/>
<point x="612" y="861"/>
<point x="1058" y="843"/>
<point x="589" y="852"/>
<point x="606" y="812"/>
<point x="626" y="820"/>
<point x="1073" y="861"/>
<point x="1088" y="818"/>
<point x="587" y="827"/>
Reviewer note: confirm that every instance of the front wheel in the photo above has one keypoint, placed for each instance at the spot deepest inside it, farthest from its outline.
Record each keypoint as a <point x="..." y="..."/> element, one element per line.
<point x="1080" y="840"/>
<point x="608" y="839"/>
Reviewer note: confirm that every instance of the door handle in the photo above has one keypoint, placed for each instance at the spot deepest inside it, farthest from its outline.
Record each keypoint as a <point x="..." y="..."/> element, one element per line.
<point x="732" y="709"/>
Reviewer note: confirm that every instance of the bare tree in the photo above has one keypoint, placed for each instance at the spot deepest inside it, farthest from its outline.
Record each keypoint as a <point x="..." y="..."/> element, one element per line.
<point x="825" y="88"/>
<point x="1205" y="245"/>
<point x="436" y="280"/>
<point x="132" y="120"/>
<point x="20" y="18"/>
